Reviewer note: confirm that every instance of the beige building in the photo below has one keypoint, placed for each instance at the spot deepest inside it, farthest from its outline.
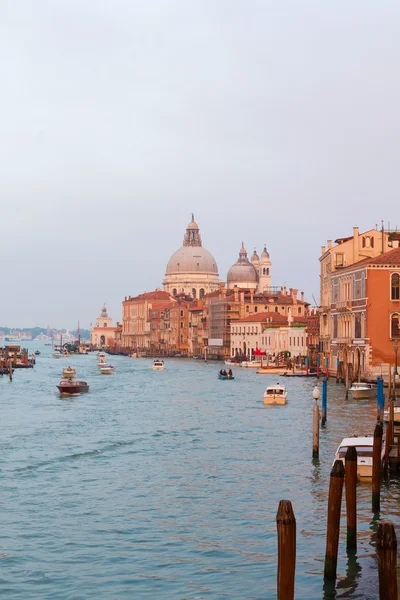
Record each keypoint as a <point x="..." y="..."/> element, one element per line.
<point x="191" y="270"/>
<point x="103" y="333"/>
<point x="343" y="292"/>
<point x="270" y="332"/>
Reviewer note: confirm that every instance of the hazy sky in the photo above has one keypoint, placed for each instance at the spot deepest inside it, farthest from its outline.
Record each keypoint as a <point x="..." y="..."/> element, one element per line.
<point x="273" y="122"/>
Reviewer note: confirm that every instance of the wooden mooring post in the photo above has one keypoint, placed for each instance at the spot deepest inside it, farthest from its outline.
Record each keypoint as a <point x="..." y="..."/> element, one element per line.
<point x="324" y="404"/>
<point x="333" y="526"/>
<point x="286" y="527"/>
<point x="386" y="549"/>
<point x="10" y="369"/>
<point x="376" y="468"/>
<point x="351" y="497"/>
<point x="315" y="446"/>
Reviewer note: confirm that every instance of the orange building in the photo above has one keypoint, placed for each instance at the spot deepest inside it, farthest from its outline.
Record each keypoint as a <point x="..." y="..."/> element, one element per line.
<point x="135" y="318"/>
<point x="365" y="314"/>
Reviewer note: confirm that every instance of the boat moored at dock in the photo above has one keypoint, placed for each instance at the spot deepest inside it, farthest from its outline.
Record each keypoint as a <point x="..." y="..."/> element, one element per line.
<point x="362" y="390"/>
<point x="364" y="446"/>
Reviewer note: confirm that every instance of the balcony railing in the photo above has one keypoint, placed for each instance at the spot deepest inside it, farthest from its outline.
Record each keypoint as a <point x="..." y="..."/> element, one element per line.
<point x="343" y="305"/>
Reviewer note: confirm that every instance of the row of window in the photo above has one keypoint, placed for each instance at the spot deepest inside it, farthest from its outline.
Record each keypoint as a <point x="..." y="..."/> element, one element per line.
<point x="202" y="292"/>
<point x="353" y="287"/>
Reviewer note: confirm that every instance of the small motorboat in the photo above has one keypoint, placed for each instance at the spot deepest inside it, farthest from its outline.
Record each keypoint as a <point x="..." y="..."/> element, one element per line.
<point x="66" y="386"/>
<point x="275" y="394"/>
<point x="106" y="369"/>
<point x="101" y="355"/>
<point x="57" y="354"/>
<point x="230" y="363"/>
<point x="37" y="352"/>
<point x="364" y="446"/>
<point x="158" y="365"/>
<point x="226" y="376"/>
<point x="363" y="390"/>
<point x="69" y="372"/>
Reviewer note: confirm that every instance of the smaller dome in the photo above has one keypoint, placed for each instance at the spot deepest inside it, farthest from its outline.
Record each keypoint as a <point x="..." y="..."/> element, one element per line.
<point x="265" y="254"/>
<point x="242" y="271"/>
<point x="255" y="258"/>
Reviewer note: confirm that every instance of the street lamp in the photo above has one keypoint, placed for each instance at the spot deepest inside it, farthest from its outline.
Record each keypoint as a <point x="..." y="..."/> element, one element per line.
<point x="396" y="348"/>
<point x="316" y="393"/>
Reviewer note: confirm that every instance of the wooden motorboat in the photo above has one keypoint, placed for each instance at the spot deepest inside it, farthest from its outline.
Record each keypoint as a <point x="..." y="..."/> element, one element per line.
<point x="66" y="386"/>
<point x="364" y="446"/>
<point x="158" y="365"/>
<point x="37" y="352"/>
<point x="275" y="394"/>
<point x="106" y="369"/>
<point x="362" y="390"/>
<point x="69" y="372"/>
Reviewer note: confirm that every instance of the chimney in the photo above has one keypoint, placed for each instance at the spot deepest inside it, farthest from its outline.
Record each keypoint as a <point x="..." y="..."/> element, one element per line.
<point x="284" y="290"/>
<point x="323" y="250"/>
<point x="294" y="293"/>
<point x="302" y="296"/>
<point x="329" y="244"/>
<point x="355" y="244"/>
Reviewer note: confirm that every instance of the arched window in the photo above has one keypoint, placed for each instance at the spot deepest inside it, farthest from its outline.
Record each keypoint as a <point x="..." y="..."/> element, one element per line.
<point x="395" y="326"/>
<point x="102" y="340"/>
<point x="255" y="309"/>
<point x="104" y="324"/>
<point x="395" y="287"/>
<point x="174" y="292"/>
<point x="193" y="292"/>
<point x="181" y="339"/>
<point x="181" y="324"/>
<point x="202" y="293"/>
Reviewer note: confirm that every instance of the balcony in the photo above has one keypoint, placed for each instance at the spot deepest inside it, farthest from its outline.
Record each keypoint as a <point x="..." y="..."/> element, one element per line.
<point x="343" y="305"/>
<point x="342" y="341"/>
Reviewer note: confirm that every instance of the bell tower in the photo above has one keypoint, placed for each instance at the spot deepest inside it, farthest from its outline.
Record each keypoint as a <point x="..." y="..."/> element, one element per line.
<point x="264" y="271"/>
<point x="192" y="235"/>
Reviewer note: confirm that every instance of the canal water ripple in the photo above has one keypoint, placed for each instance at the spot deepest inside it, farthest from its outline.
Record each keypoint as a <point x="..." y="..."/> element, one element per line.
<point x="166" y="484"/>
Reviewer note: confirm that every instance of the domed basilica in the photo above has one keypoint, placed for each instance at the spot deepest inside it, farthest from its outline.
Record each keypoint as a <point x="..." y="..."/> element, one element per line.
<point x="192" y="270"/>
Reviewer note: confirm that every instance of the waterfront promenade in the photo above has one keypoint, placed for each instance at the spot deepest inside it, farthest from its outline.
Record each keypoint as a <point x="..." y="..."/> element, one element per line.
<point x="166" y="484"/>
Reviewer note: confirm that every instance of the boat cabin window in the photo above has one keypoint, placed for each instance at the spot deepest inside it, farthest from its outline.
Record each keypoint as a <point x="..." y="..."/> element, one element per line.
<point x="361" y="451"/>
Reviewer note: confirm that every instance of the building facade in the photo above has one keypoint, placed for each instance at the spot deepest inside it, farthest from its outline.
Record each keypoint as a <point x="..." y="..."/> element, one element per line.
<point x="103" y="333"/>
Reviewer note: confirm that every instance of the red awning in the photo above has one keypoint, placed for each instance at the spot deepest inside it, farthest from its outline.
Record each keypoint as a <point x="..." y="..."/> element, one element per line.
<point x="258" y="352"/>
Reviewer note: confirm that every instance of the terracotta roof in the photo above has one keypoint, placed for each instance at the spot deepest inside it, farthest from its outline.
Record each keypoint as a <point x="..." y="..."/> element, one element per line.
<point x="387" y="258"/>
<point x="260" y="317"/>
<point x="157" y="295"/>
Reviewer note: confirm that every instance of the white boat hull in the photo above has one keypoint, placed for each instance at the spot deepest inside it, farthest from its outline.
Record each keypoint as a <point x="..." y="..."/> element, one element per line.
<point x="106" y="371"/>
<point x="363" y="394"/>
<point x="157" y="368"/>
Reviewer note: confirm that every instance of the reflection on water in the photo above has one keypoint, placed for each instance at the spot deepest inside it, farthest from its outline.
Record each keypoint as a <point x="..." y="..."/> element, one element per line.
<point x="166" y="485"/>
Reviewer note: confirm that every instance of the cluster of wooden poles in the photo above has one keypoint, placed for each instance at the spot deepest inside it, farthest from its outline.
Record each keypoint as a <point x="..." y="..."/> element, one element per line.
<point x="386" y="543"/>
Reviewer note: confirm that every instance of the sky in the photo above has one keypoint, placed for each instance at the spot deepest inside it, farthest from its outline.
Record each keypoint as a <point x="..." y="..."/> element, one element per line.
<point x="274" y="122"/>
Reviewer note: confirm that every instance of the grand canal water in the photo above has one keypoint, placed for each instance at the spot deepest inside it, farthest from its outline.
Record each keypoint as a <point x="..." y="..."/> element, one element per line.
<point x="166" y="485"/>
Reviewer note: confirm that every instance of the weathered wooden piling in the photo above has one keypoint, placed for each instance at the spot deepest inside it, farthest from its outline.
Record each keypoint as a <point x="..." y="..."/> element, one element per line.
<point x="386" y="548"/>
<point x="347" y="383"/>
<point x="351" y="497"/>
<point x="333" y="526"/>
<point x="10" y="368"/>
<point x="376" y="468"/>
<point x="324" y="404"/>
<point x="286" y="527"/>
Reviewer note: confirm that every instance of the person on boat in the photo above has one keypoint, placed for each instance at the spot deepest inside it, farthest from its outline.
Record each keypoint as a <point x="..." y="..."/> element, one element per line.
<point x="230" y="374"/>
<point x="223" y="373"/>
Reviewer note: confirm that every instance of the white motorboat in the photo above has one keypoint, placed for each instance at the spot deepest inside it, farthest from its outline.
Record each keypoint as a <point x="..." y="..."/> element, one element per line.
<point x="251" y="364"/>
<point x="101" y="363"/>
<point x="69" y="372"/>
<point x="275" y="394"/>
<point x="101" y="355"/>
<point x="363" y="390"/>
<point x="107" y="369"/>
<point x="57" y="354"/>
<point x="364" y="446"/>
<point x="158" y="365"/>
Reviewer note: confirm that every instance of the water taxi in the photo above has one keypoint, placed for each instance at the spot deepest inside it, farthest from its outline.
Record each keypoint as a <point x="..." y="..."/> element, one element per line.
<point x="158" y="365"/>
<point x="106" y="369"/>
<point x="72" y="388"/>
<point x="69" y="372"/>
<point x="275" y="394"/>
<point x="363" y="390"/>
<point x="364" y="446"/>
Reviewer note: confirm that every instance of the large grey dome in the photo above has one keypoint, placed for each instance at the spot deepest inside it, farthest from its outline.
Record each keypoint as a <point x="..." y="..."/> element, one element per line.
<point x="192" y="259"/>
